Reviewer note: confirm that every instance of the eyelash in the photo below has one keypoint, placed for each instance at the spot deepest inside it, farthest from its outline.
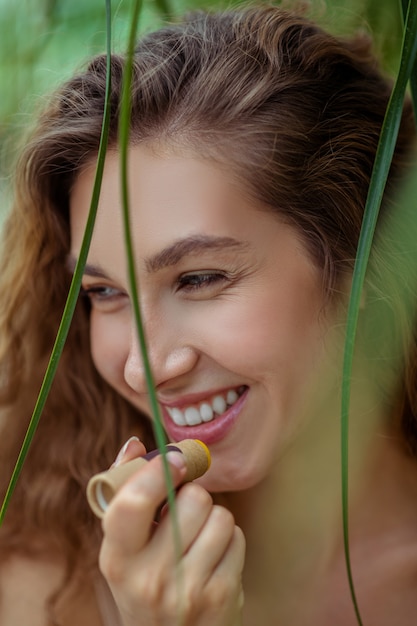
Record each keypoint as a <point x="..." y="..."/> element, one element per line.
<point x="99" y="293"/>
<point x="188" y="283"/>
<point x="196" y="282"/>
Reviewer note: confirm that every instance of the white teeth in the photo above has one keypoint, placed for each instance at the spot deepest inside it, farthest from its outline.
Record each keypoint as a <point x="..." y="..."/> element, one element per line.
<point x="206" y="412"/>
<point x="219" y="405"/>
<point x="177" y="417"/>
<point x="231" y="396"/>
<point x="192" y="416"/>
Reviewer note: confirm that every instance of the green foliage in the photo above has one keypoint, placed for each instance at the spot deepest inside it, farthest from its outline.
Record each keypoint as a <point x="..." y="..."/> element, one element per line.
<point x="73" y="292"/>
<point x="124" y="131"/>
<point x="43" y="41"/>
<point x="383" y="159"/>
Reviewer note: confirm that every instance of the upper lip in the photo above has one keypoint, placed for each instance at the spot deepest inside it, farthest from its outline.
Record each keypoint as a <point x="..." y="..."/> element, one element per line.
<point x="196" y="398"/>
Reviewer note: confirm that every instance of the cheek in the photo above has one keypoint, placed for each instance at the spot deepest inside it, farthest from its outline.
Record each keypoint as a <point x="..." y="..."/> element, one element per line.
<point x="262" y="333"/>
<point x="109" y="349"/>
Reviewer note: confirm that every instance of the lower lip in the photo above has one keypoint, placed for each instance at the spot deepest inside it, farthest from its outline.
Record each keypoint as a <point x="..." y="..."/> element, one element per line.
<point x="209" y="432"/>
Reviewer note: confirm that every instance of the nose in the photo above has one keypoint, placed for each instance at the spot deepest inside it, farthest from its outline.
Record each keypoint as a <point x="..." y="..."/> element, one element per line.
<point x="169" y="357"/>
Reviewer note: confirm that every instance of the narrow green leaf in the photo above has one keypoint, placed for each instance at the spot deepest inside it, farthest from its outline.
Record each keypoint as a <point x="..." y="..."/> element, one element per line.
<point x="124" y="130"/>
<point x="413" y="77"/>
<point x="73" y="291"/>
<point x="383" y="159"/>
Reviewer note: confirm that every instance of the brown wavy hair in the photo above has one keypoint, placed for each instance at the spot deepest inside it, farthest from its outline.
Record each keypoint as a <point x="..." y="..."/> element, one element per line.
<point x="293" y="112"/>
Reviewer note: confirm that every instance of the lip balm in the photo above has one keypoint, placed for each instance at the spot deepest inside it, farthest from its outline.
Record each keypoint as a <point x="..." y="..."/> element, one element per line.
<point x="102" y="487"/>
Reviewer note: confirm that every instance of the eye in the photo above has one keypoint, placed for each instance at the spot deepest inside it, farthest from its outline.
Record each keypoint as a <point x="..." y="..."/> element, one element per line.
<point x="198" y="281"/>
<point x="104" y="297"/>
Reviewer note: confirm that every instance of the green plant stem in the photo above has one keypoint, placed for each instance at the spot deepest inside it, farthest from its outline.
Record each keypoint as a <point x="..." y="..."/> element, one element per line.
<point x="379" y="176"/>
<point x="124" y="130"/>
<point x="73" y="291"/>
<point x="413" y="77"/>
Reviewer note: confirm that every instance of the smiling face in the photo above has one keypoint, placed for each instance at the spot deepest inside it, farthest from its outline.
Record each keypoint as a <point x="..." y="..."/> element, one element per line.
<point x="231" y="302"/>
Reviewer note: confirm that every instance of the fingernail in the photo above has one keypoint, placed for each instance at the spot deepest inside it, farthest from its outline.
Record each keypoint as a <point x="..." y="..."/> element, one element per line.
<point x="177" y="460"/>
<point x="123" y="451"/>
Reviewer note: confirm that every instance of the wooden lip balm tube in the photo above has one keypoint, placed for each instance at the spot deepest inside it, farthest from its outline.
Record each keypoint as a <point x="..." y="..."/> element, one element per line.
<point x="102" y="487"/>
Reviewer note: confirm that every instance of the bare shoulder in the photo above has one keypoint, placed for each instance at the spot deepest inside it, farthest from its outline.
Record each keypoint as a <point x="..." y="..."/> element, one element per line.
<point x="26" y="586"/>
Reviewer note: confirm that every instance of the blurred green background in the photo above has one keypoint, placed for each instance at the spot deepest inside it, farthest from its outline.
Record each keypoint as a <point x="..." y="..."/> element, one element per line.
<point x="44" y="41"/>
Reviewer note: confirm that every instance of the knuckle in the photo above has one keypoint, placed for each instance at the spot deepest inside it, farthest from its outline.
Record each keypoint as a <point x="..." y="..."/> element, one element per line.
<point x="192" y="597"/>
<point x="111" y="568"/>
<point x="181" y="599"/>
<point x="152" y="589"/>
<point x="224" y="518"/>
<point x="123" y="506"/>
<point x="240" y="538"/>
<point x="191" y="600"/>
<point x="219" y="594"/>
<point x="197" y="494"/>
<point x="171" y="604"/>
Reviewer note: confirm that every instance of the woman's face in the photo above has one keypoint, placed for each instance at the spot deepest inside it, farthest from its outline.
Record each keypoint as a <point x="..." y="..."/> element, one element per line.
<point x="231" y="304"/>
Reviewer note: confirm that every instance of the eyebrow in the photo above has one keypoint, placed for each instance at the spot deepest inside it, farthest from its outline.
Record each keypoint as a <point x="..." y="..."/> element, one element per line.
<point x="89" y="269"/>
<point x="193" y="245"/>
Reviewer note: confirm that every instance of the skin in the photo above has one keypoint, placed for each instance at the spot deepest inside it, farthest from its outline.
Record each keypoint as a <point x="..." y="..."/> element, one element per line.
<point x="253" y="321"/>
<point x="221" y="317"/>
<point x="262" y="326"/>
<point x="26" y="586"/>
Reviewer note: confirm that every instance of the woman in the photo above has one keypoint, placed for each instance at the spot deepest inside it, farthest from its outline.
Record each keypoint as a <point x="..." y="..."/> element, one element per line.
<point x="252" y="143"/>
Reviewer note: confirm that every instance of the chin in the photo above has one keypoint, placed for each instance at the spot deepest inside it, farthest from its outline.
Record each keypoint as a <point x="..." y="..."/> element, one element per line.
<point x="232" y="479"/>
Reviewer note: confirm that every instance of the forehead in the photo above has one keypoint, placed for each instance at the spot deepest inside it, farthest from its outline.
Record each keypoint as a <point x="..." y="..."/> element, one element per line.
<point x="175" y="201"/>
<point x="170" y="196"/>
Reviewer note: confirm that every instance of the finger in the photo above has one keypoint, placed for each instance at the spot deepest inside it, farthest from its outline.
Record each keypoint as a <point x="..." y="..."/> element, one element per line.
<point x="233" y="560"/>
<point x="193" y="505"/>
<point x="211" y="546"/>
<point x="211" y="596"/>
<point x="224" y="590"/>
<point x="127" y="523"/>
<point x="131" y="450"/>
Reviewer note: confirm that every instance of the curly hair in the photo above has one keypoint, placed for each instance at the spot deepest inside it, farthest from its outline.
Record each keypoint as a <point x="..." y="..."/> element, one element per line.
<point x="292" y="111"/>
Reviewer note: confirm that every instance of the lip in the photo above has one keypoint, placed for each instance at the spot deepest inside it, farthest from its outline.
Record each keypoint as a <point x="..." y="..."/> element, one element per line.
<point x="208" y="432"/>
<point x="196" y="398"/>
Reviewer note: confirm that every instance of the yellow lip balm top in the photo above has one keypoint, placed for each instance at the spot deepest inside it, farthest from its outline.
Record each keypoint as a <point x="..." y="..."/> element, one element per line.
<point x="102" y="487"/>
<point x="207" y="451"/>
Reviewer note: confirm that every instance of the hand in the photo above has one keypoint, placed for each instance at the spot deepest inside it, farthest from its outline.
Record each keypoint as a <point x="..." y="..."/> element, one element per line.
<point x="138" y="557"/>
